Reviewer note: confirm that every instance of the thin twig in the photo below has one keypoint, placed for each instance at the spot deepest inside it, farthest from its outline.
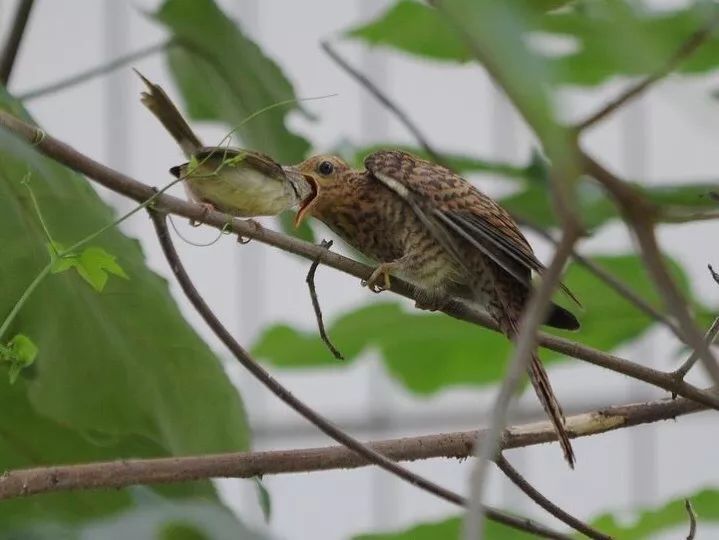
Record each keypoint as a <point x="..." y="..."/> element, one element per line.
<point x="129" y="187"/>
<point x="686" y="49"/>
<point x="327" y="244"/>
<point x="12" y="44"/>
<point x="522" y="483"/>
<point x="535" y="312"/>
<point x="710" y="336"/>
<point x="324" y="425"/>
<point x="97" y="71"/>
<point x="459" y="445"/>
<point x="715" y="275"/>
<point x="692" y="519"/>
<point x="384" y="100"/>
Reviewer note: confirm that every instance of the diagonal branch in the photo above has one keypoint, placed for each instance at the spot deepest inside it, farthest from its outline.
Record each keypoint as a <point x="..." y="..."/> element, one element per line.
<point x="129" y="187"/>
<point x="534" y="313"/>
<point x="685" y="50"/>
<point x="534" y="494"/>
<point x="459" y="445"/>
<point x="12" y="45"/>
<point x="324" y="425"/>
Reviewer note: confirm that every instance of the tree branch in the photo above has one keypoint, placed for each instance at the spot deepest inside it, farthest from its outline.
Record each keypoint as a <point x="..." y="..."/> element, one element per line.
<point x="324" y="425"/>
<point x="123" y="473"/>
<point x="140" y="192"/>
<point x="12" y="44"/>
<point x="526" y="339"/>
<point x="522" y="483"/>
<point x="686" y="49"/>
<point x="97" y="71"/>
<point x="327" y="244"/>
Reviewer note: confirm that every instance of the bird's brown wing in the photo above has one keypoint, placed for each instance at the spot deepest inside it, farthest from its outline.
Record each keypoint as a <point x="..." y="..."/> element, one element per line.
<point x="451" y="207"/>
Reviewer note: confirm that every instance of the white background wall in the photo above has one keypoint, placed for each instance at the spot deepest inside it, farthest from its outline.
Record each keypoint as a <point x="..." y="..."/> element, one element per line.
<point x="668" y="136"/>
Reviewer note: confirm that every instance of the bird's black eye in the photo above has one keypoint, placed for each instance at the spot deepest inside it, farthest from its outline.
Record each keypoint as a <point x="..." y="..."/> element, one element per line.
<point x="325" y="168"/>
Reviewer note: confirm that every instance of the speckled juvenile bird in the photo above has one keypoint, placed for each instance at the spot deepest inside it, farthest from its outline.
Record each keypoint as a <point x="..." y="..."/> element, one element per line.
<point x="235" y="181"/>
<point x="431" y="227"/>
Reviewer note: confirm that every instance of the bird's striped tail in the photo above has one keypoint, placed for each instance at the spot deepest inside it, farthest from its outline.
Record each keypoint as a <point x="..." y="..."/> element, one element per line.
<point x="540" y="381"/>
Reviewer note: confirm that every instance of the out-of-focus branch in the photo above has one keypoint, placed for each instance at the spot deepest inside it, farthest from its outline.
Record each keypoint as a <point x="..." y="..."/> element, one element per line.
<point x="518" y="480"/>
<point x="526" y="344"/>
<point x="685" y="50"/>
<point x="129" y="187"/>
<point x="97" y="71"/>
<point x="692" y="519"/>
<point x="12" y="44"/>
<point x="323" y="424"/>
<point x="123" y="473"/>
<point x="710" y="336"/>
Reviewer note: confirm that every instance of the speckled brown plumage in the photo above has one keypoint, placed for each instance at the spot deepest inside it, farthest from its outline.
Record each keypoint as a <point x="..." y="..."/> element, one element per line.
<point x="431" y="227"/>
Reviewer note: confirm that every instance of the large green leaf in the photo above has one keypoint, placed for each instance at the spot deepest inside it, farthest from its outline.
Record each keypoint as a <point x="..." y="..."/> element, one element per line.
<point x="225" y="77"/>
<point x="429" y="352"/>
<point x="669" y="516"/>
<point x="118" y="373"/>
<point x="609" y="38"/>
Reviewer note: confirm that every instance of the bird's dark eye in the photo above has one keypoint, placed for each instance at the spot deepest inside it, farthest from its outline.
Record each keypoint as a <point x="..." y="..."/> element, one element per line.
<point x="325" y="168"/>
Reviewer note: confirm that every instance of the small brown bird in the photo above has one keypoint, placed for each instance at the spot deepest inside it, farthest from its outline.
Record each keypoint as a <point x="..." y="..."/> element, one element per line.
<point x="432" y="228"/>
<point x="235" y="181"/>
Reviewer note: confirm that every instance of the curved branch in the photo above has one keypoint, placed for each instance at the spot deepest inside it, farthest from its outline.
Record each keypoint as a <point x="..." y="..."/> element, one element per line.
<point x="324" y="425"/>
<point x="129" y="187"/>
<point x="534" y="494"/>
<point x="129" y="472"/>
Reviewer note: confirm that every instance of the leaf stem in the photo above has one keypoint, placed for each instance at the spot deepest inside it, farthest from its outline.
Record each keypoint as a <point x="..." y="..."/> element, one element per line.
<point x="25" y="295"/>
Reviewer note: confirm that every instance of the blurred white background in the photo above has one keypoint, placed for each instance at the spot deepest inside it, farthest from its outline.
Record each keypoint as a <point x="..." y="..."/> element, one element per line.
<point x="670" y="135"/>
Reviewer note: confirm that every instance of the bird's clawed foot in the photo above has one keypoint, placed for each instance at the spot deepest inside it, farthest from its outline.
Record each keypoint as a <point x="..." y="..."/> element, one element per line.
<point x="381" y="272"/>
<point x="206" y="209"/>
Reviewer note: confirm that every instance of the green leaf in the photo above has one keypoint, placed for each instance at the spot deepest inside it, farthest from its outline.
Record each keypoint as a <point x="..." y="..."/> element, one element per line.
<point x="21" y="353"/>
<point x="224" y="76"/>
<point x="430" y="352"/>
<point x="121" y="374"/>
<point x="264" y="498"/>
<point x="647" y="38"/>
<point x="304" y="231"/>
<point x="93" y="264"/>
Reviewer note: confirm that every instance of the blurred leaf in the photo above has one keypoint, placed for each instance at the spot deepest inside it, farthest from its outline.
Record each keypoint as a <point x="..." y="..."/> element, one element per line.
<point x="224" y="76"/>
<point x="304" y="231"/>
<point x="429" y="352"/>
<point x="448" y="529"/>
<point x="193" y="519"/>
<point x="647" y="523"/>
<point x="119" y="374"/>
<point x="671" y="515"/>
<point x="604" y="39"/>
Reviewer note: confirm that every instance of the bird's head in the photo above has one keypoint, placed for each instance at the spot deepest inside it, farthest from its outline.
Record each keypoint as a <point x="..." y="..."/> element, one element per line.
<point x="324" y="174"/>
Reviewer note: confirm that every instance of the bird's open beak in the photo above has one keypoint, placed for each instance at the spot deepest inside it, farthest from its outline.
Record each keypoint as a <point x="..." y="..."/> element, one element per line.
<point x="308" y="189"/>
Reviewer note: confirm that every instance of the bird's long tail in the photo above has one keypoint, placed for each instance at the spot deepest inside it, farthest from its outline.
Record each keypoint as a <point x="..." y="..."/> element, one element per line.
<point x="540" y="381"/>
<point x="165" y="111"/>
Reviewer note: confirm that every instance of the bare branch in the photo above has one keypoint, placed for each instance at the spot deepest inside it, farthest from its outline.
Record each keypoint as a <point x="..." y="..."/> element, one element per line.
<point x="12" y="44"/>
<point x="384" y="100"/>
<point x="140" y="192"/>
<point x="97" y="71"/>
<point x="710" y="336"/>
<point x="123" y="473"/>
<point x="692" y="519"/>
<point x="686" y="49"/>
<point x="535" y="312"/>
<point x="522" y="483"/>
<point x="715" y="275"/>
<point x="327" y="244"/>
<point x="324" y="425"/>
